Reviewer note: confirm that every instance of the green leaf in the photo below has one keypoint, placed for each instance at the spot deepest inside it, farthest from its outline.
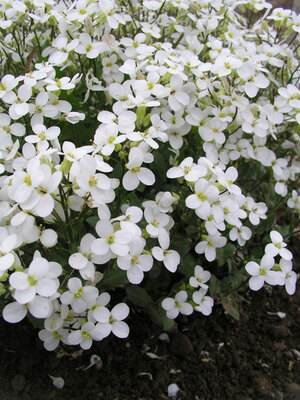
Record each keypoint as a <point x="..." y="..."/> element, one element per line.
<point x="113" y="277"/>
<point x="182" y="245"/>
<point x="138" y="296"/>
<point x="187" y="265"/>
<point x="225" y="253"/>
<point x="117" y="171"/>
<point x="230" y="306"/>
<point x="37" y="323"/>
<point x="214" y="286"/>
<point x="92" y="221"/>
<point x="160" y="166"/>
<point x="159" y="317"/>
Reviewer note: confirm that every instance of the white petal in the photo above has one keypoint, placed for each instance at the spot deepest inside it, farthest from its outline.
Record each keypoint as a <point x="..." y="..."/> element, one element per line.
<point x="256" y="282"/>
<point x="40" y="307"/>
<point x="252" y="268"/>
<point x="120" y="329"/>
<point x="104" y="228"/>
<point x="14" y="312"/>
<point x="135" y="275"/>
<point x="38" y="267"/>
<point x="172" y="260"/>
<point x="285" y="254"/>
<point x="75" y="337"/>
<point x="157" y="253"/>
<point x="120" y="311"/>
<point x="78" y="261"/>
<point x="19" y="280"/>
<point x="276" y="237"/>
<point x="99" y="247"/>
<point x="101" y="314"/>
<point x="168" y="304"/>
<point x="6" y="261"/>
<point x="186" y="309"/>
<point x="74" y="284"/>
<point x="26" y="295"/>
<point x="119" y="249"/>
<point x="46" y="287"/>
<point x="146" y="176"/>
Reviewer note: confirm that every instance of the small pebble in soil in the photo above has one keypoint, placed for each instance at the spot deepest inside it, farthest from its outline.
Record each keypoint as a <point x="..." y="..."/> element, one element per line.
<point x="18" y="383"/>
<point x="292" y="391"/>
<point x="181" y="345"/>
<point x="280" y="331"/>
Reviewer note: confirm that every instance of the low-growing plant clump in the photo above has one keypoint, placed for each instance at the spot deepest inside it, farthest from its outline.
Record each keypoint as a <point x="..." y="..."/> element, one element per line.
<point x="149" y="155"/>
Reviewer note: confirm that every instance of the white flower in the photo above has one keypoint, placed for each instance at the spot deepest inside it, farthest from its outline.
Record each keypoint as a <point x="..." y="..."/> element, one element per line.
<point x="59" y="84"/>
<point x="39" y="307"/>
<point x="257" y="210"/>
<point x="178" y="305"/>
<point x="205" y="303"/>
<point x="7" y="83"/>
<point x="294" y="201"/>
<point x="188" y="169"/>
<point x="96" y="184"/>
<point x="85" y="336"/>
<point x="63" y="48"/>
<point x="43" y="133"/>
<point x="278" y="247"/>
<point x="110" y="240"/>
<point x="170" y="258"/>
<point x="40" y="200"/>
<point x="178" y="97"/>
<point x="290" y="278"/>
<point x="253" y="81"/>
<point x="52" y="338"/>
<point x="227" y="178"/>
<point x="136" y="173"/>
<point x="292" y="94"/>
<point x="124" y="120"/>
<point x="6" y="127"/>
<point x="200" y="277"/>
<point x="7" y="244"/>
<point x="205" y="194"/>
<point x="34" y="281"/>
<point x="157" y="221"/>
<point x="85" y="259"/>
<point x="263" y="273"/>
<point x="106" y="137"/>
<point x="56" y="320"/>
<point x="112" y="321"/>
<point x="135" y="263"/>
<point x="79" y="297"/>
<point x="89" y="48"/>
<point x="19" y="106"/>
<point x="241" y="234"/>
<point x="209" y="246"/>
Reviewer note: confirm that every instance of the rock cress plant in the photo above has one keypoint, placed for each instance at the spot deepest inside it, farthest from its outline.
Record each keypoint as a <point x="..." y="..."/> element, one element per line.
<point x="149" y="155"/>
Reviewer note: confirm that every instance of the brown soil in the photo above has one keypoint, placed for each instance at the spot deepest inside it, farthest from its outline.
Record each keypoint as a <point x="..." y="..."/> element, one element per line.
<point x="212" y="357"/>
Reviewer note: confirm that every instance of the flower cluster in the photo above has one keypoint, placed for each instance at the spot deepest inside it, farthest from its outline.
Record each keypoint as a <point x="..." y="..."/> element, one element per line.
<point x="138" y="141"/>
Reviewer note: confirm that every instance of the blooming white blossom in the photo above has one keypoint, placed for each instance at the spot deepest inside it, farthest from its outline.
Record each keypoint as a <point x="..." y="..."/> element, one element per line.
<point x="136" y="173"/>
<point x="200" y="278"/>
<point x="177" y="305"/>
<point x="263" y="273"/>
<point x="112" y="321"/>
<point x="79" y="297"/>
<point x="278" y="247"/>
<point x="204" y="303"/>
